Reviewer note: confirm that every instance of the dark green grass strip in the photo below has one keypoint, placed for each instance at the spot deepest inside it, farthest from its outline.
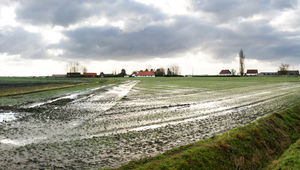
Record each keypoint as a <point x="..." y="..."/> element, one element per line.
<point x="250" y="147"/>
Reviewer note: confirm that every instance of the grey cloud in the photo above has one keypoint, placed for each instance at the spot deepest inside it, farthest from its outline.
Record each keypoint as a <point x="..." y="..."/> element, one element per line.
<point x="232" y="9"/>
<point x="66" y="12"/>
<point x="259" y="40"/>
<point x="113" y="43"/>
<point x="17" y="41"/>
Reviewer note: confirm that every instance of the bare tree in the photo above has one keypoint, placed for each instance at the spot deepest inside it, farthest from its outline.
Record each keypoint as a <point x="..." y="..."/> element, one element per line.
<point x="283" y="68"/>
<point x="73" y="67"/>
<point x="169" y="73"/>
<point x="242" y="62"/>
<point x="233" y="72"/>
<point x="174" y="68"/>
<point x="84" y="69"/>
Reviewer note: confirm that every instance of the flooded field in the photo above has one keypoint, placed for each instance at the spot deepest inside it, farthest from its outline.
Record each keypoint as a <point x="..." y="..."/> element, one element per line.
<point x="110" y="125"/>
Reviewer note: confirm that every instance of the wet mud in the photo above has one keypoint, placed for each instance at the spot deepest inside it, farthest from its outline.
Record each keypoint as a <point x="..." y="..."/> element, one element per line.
<point x="111" y="125"/>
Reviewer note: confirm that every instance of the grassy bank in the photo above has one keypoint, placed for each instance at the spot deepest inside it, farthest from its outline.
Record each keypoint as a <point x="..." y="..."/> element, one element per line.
<point x="251" y="147"/>
<point x="290" y="159"/>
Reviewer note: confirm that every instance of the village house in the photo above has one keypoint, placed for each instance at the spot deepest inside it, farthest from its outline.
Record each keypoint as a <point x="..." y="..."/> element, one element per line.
<point x="225" y="73"/>
<point x="252" y="72"/>
<point x="144" y="74"/>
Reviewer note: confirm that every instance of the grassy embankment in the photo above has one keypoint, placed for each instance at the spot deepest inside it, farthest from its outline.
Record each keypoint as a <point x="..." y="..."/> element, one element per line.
<point x="289" y="160"/>
<point x="16" y="90"/>
<point x="250" y="147"/>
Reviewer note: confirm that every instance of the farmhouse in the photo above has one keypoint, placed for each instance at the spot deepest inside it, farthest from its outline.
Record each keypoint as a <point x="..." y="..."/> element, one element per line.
<point x="225" y="73"/>
<point x="89" y="74"/>
<point x="145" y="74"/>
<point x="252" y="72"/>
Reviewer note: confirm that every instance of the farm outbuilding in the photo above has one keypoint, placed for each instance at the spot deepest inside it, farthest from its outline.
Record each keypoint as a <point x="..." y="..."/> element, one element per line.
<point x="268" y="74"/>
<point x="225" y="73"/>
<point x="252" y="72"/>
<point x="74" y="75"/>
<point x="102" y="75"/>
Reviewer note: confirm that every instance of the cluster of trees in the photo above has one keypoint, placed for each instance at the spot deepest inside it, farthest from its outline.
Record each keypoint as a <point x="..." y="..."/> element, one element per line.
<point x="172" y="70"/>
<point x="75" y="67"/>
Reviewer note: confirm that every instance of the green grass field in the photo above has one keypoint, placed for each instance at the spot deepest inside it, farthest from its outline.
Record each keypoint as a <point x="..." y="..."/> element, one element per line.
<point x="57" y="86"/>
<point x="212" y="83"/>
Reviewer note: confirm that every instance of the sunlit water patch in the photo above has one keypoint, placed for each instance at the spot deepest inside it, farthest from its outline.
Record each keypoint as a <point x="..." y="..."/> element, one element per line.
<point x="8" y="116"/>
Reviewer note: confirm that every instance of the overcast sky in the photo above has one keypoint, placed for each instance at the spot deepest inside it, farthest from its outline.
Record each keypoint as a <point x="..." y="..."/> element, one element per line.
<point x="40" y="37"/>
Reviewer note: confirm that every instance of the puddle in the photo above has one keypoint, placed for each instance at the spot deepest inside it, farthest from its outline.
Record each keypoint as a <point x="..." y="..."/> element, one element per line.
<point x="9" y="116"/>
<point x="20" y="142"/>
<point x="70" y="96"/>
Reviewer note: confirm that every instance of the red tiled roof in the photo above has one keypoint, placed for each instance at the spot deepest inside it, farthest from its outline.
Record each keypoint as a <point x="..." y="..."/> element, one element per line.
<point x="225" y="72"/>
<point x="145" y="73"/>
<point x="89" y="74"/>
<point x="253" y="71"/>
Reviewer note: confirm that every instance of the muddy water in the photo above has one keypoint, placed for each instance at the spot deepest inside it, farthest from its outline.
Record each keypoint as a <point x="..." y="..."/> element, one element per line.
<point x="111" y="125"/>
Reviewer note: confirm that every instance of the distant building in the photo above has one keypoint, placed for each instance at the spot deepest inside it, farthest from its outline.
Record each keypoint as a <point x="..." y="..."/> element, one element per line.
<point x="252" y="72"/>
<point x="58" y="75"/>
<point x="268" y="74"/>
<point x="102" y="75"/>
<point x="144" y="74"/>
<point x="289" y="72"/>
<point x="74" y="75"/>
<point x="89" y="74"/>
<point x="225" y="73"/>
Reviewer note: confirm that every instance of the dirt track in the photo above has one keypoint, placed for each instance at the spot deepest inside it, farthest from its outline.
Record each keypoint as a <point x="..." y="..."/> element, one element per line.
<point x="111" y="125"/>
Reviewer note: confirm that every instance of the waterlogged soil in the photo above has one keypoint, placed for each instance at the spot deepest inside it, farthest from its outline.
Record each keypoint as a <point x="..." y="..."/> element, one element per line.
<point x="108" y="126"/>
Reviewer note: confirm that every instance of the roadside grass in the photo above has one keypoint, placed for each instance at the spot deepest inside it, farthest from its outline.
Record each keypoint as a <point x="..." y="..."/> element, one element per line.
<point x="19" y="95"/>
<point x="250" y="147"/>
<point x="289" y="160"/>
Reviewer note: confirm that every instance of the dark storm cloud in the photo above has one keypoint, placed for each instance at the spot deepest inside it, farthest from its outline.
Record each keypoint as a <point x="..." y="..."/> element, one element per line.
<point x="17" y="41"/>
<point x="66" y="12"/>
<point x="232" y="9"/>
<point x="152" y="41"/>
<point x="258" y="39"/>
